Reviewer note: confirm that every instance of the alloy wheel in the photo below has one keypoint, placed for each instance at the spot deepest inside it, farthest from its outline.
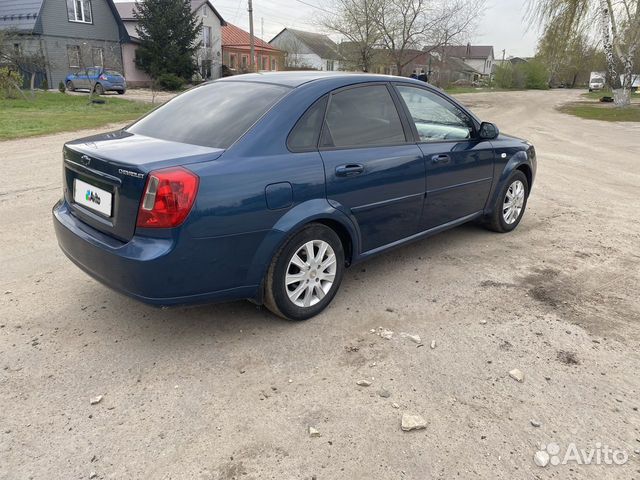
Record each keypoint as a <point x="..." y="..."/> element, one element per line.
<point x="310" y="273"/>
<point x="513" y="202"/>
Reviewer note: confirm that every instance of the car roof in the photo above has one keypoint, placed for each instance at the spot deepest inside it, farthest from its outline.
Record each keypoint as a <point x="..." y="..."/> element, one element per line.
<point x="296" y="78"/>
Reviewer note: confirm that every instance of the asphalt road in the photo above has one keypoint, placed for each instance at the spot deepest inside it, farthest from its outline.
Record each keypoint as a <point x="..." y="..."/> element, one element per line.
<point x="229" y="391"/>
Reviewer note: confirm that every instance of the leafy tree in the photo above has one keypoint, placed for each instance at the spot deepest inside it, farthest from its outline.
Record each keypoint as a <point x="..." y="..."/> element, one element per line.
<point x="168" y="32"/>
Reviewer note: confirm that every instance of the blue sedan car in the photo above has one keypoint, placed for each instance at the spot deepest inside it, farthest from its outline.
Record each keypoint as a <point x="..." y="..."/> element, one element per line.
<point x="96" y="79"/>
<point x="267" y="186"/>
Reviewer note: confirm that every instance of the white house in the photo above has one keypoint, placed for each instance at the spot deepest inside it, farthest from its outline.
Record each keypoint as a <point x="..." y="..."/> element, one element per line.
<point x="478" y="57"/>
<point x="208" y="57"/>
<point x="308" y="50"/>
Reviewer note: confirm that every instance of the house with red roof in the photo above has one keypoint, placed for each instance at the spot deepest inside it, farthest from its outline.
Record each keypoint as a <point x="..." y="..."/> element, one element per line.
<point x="236" y="51"/>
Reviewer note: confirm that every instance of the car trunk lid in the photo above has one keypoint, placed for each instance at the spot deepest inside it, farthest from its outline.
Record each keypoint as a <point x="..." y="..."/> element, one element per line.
<point x="105" y="175"/>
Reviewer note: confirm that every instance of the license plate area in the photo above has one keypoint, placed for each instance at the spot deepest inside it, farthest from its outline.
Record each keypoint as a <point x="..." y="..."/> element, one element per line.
<point x="93" y="197"/>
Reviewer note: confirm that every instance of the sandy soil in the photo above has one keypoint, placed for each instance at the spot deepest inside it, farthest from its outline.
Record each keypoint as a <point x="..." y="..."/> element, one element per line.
<point x="228" y="391"/>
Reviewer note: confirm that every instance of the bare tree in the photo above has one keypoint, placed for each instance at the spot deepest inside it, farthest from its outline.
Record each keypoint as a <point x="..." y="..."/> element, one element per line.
<point x="355" y="21"/>
<point x="406" y="25"/>
<point x="618" y="25"/>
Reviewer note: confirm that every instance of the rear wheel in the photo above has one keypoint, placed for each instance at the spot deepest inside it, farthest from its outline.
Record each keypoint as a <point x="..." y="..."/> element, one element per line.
<point x="121" y="92"/>
<point x="70" y="86"/>
<point x="510" y="204"/>
<point x="305" y="274"/>
<point x="98" y="89"/>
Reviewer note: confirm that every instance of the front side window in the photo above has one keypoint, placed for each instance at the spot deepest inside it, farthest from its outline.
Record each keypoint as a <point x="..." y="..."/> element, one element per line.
<point x="362" y="117"/>
<point x="79" y="11"/>
<point x="211" y="115"/>
<point x="73" y="53"/>
<point x="436" y="118"/>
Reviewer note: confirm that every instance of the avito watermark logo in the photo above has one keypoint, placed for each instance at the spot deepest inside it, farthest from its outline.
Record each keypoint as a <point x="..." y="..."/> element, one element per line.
<point x="552" y="454"/>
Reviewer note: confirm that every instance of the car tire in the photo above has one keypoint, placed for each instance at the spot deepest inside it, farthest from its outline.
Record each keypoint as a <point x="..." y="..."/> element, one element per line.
<point x="510" y="204"/>
<point x="70" y="86"/>
<point x="121" y="92"/>
<point x="319" y="278"/>
<point x="98" y="89"/>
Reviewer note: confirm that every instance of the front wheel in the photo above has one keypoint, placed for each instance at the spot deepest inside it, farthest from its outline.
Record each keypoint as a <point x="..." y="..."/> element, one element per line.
<point x="305" y="274"/>
<point x="121" y="92"/>
<point x="510" y="204"/>
<point x="70" y="86"/>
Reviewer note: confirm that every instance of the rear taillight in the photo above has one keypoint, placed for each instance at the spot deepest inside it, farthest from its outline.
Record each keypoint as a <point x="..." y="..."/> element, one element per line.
<point x="103" y="77"/>
<point x="168" y="197"/>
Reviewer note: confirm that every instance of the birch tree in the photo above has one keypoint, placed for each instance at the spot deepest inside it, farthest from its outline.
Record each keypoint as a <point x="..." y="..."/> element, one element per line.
<point x="615" y="22"/>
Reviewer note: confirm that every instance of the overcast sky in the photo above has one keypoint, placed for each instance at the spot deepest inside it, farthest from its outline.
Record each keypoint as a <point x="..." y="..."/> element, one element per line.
<point x="502" y="25"/>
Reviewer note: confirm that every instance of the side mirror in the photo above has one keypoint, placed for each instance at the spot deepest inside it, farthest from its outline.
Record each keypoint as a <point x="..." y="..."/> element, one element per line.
<point x="488" y="131"/>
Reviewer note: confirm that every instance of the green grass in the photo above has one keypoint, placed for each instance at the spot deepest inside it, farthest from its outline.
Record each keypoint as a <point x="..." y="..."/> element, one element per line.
<point x="50" y="112"/>
<point x="606" y="112"/>
<point x="598" y="95"/>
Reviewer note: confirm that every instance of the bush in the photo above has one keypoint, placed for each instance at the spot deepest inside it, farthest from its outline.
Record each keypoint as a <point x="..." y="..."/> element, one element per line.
<point x="10" y="82"/>
<point x="61" y="87"/>
<point x="169" y="81"/>
<point x="537" y="76"/>
<point x="532" y="74"/>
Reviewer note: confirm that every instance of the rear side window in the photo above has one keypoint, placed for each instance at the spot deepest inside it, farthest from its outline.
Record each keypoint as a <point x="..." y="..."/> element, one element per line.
<point x="212" y="115"/>
<point x="304" y="136"/>
<point x="362" y="117"/>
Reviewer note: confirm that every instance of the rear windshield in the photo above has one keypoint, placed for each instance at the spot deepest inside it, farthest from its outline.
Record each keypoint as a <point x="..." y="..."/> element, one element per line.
<point x="211" y="115"/>
<point x="113" y="73"/>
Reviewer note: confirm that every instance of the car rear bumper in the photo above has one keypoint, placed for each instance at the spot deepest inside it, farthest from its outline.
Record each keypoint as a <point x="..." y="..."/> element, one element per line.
<point x="155" y="271"/>
<point x="115" y="88"/>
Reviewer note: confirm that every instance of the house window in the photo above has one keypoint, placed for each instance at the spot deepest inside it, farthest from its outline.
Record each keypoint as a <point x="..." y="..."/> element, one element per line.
<point x="274" y="64"/>
<point x="330" y="65"/>
<point x="97" y="55"/>
<point x="264" y="63"/>
<point x="79" y="11"/>
<point x="206" y="37"/>
<point x="204" y="10"/>
<point x="73" y="52"/>
<point x="245" y="61"/>
<point x="233" y="61"/>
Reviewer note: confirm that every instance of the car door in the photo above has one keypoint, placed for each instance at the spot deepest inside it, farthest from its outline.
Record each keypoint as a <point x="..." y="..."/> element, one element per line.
<point x="373" y="169"/>
<point x="80" y="80"/>
<point x="459" y="165"/>
<point x="92" y="77"/>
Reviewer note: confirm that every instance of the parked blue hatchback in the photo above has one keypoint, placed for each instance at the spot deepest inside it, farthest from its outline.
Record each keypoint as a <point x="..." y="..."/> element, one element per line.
<point x="96" y="79"/>
<point x="267" y="186"/>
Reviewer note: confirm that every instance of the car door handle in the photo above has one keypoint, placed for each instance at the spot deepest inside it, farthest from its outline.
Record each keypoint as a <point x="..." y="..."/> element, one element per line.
<point x="440" y="159"/>
<point x="349" y="170"/>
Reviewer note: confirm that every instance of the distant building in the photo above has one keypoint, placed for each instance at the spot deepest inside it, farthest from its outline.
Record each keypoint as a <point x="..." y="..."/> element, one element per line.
<point x="70" y="35"/>
<point x="479" y="57"/>
<point x="236" y="52"/>
<point x="208" y="56"/>
<point x="308" y="50"/>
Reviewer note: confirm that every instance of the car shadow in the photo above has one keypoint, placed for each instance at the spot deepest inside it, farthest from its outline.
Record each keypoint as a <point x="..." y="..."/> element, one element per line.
<point x="185" y="325"/>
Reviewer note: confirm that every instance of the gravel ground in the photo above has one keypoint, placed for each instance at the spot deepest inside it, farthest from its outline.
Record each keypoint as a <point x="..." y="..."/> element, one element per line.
<point x="229" y="391"/>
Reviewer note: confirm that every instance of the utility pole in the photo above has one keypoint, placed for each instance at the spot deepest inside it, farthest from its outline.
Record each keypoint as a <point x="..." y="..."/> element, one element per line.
<point x="503" y="54"/>
<point x="251" y="39"/>
<point x="262" y="27"/>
